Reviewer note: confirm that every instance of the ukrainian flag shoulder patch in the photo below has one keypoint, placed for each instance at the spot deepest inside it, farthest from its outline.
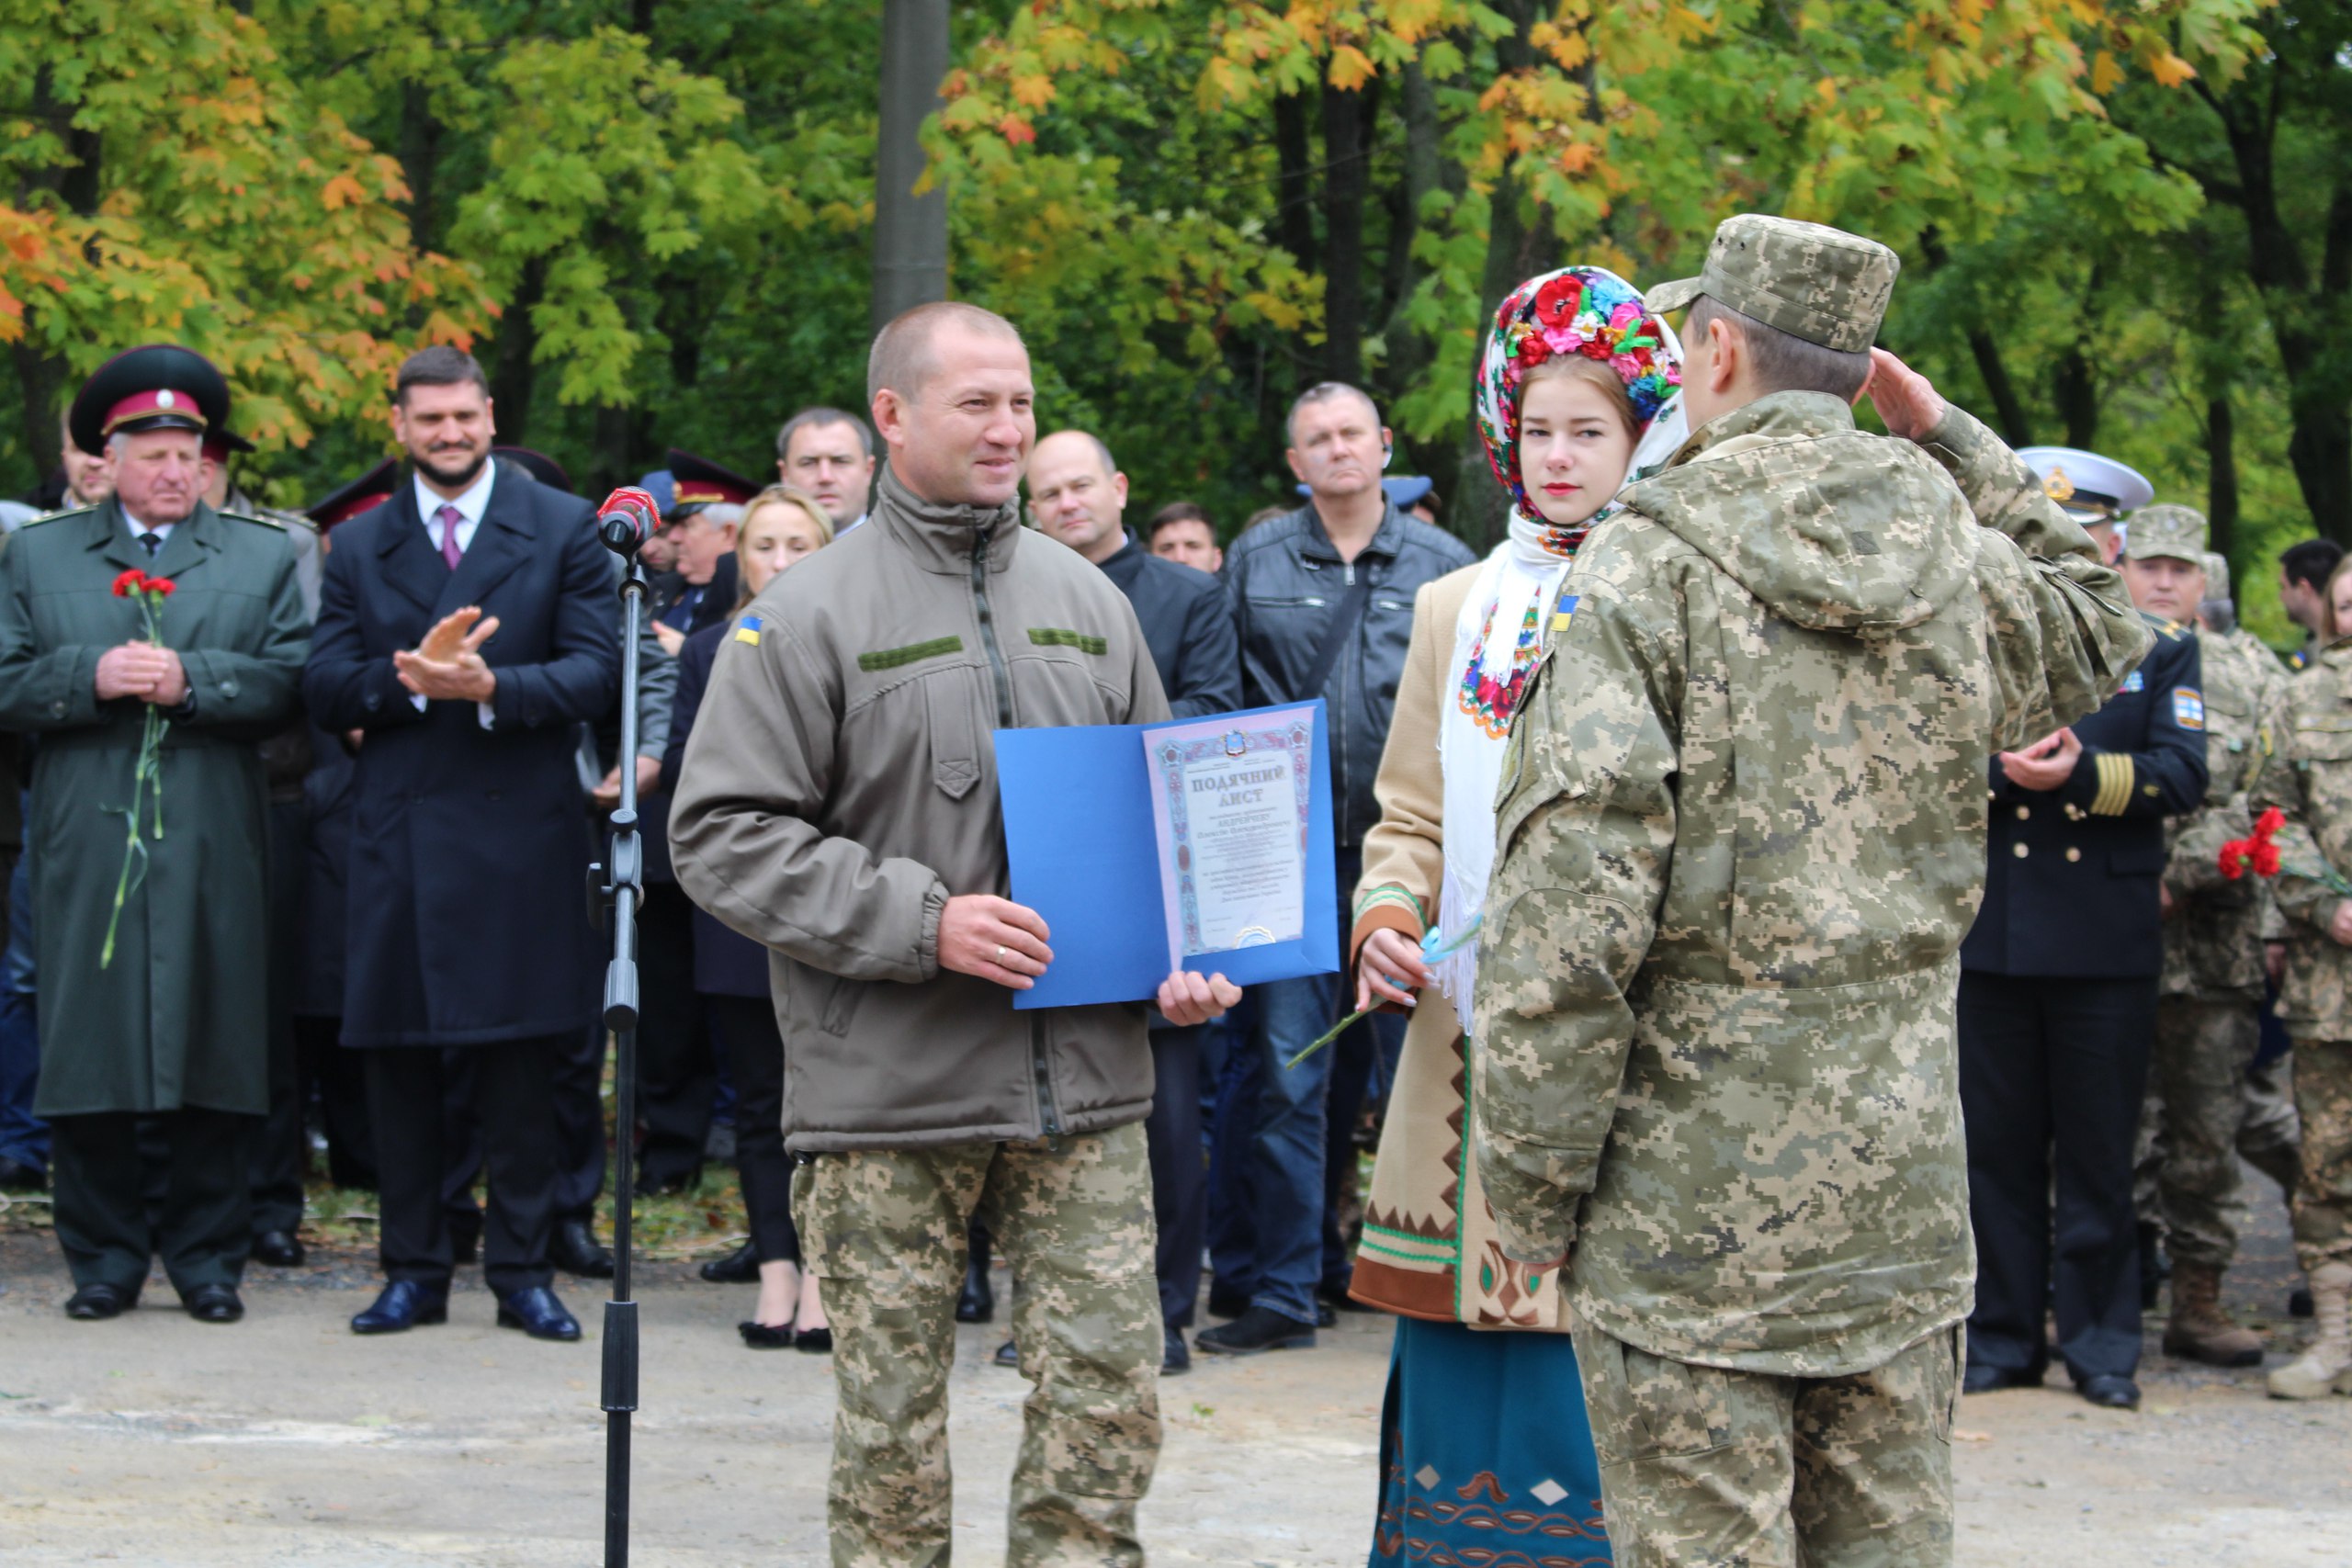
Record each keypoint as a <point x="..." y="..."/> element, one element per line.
<point x="748" y="630"/>
<point x="1565" y="612"/>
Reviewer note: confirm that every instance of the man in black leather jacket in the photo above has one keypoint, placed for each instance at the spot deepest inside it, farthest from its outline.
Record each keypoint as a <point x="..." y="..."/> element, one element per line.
<point x="1324" y="601"/>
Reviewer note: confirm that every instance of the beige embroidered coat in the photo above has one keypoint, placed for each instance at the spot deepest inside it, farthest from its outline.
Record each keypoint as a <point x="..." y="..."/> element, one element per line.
<point x="1418" y="1255"/>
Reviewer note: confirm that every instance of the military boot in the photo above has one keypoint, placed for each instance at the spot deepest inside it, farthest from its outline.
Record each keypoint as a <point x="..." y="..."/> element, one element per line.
<point x="2326" y="1363"/>
<point x="2199" y="1329"/>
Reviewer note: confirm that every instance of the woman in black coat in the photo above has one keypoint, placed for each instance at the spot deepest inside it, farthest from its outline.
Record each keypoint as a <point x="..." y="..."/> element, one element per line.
<point x="780" y="526"/>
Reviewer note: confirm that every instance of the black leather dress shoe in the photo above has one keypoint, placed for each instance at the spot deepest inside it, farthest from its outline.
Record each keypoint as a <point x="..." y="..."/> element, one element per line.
<point x="976" y="1302"/>
<point x="575" y="1249"/>
<point x="16" y="1175"/>
<point x="213" y="1303"/>
<point x="766" y="1337"/>
<point x="1983" y="1378"/>
<point x="1259" y="1328"/>
<point x="740" y="1267"/>
<point x="402" y="1306"/>
<point x="96" y="1303"/>
<point x="1177" y="1355"/>
<point x="279" y="1249"/>
<point x="1008" y="1355"/>
<point x="1224" y="1303"/>
<point x="537" y="1314"/>
<point x="1336" y="1297"/>
<point x="2111" y="1392"/>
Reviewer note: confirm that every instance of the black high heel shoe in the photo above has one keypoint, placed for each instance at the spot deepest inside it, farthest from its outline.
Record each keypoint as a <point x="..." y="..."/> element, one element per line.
<point x="815" y="1341"/>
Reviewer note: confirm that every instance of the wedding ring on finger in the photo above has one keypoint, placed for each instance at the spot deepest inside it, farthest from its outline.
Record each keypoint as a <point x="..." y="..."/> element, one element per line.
<point x="1000" y="955"/>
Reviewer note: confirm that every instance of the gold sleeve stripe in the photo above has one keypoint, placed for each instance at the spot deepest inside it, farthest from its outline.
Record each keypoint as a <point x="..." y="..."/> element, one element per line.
<point x="2115" y="779"/>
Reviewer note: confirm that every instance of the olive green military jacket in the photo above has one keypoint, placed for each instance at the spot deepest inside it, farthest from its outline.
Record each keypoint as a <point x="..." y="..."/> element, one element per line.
<point x="180" y="1017"/>
<point x="2309" y="778"/>
<point x="2215" y="925"/>
<point x="1741" y="834"/>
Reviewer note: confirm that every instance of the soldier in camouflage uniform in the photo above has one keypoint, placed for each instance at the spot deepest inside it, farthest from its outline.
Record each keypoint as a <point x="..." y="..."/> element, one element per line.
<point x="2268" y="1136"/>
<point x="2310" y="779"/>
<point x="1741" y="831"/>
<point x="2211" y="987"/>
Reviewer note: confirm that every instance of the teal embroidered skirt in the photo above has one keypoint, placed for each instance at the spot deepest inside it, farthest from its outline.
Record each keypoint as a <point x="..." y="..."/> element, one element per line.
<point x="1485" y="1456"/>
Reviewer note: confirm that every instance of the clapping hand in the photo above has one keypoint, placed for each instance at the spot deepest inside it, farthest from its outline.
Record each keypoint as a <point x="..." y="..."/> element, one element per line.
<point x="447" y="665"/>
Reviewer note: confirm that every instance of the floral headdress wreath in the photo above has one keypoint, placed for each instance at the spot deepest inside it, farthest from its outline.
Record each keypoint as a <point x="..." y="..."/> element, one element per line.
<point x="1586" y="310"/>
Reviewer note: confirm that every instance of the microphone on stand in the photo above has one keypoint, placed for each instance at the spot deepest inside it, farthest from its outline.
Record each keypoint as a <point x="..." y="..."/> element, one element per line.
<point x="628" y="517"/>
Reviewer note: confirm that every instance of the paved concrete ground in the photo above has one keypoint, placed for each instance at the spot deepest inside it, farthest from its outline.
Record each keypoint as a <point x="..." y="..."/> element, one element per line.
<point x="284" y="1440"/>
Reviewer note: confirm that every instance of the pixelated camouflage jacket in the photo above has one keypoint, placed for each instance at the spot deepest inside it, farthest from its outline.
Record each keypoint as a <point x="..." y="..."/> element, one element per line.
<point x="2309" y="778"/>
<point x="1741" y="832"/>
<point x="2214" y="931"/>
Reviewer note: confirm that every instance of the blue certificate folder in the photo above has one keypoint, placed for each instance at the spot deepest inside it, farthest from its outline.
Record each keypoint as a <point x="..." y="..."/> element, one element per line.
<point x="1085" y="855"/>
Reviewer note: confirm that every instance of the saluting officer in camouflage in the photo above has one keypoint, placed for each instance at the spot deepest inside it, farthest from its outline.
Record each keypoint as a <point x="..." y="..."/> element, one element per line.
<point x="2310" y="779"/>
<point x="1741" y="831"/>
<point x="2268" y="1136"/>
<point x="2211" y="985"/>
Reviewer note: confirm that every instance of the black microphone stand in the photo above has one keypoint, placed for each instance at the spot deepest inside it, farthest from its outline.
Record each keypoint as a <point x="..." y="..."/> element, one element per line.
<point x="623" y="890"/>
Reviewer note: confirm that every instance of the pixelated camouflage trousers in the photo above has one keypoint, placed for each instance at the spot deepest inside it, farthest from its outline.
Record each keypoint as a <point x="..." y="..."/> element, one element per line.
<point x="2202" y="1112"/>
<point x="1702" y="1467"/>
<point x="2323" y="1195"/>
<point x="884" y="1230"/>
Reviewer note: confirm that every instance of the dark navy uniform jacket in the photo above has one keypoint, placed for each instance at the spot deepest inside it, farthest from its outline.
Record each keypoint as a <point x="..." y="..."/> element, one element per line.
<point x="2072" y="886"/>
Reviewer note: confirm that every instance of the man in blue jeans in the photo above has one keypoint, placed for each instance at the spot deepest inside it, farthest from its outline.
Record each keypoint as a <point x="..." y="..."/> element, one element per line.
<point x="1324" y="601"/>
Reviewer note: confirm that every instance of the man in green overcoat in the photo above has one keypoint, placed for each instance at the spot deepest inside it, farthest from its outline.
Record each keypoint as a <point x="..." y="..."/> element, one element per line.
<point x="175" y="1025"/>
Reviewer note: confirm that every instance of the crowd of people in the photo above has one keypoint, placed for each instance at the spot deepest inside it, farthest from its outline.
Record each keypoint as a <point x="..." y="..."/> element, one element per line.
<point x="1824" y="912"/>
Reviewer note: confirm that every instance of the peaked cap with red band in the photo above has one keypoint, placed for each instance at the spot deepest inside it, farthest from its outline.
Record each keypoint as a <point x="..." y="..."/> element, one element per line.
<point x="160" y="387"/>
<point x="699" y="482"/>
<point x="365" y="493"/>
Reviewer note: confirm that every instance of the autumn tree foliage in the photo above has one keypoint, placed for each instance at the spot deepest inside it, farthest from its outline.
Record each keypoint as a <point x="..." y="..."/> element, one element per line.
<point x="166" y="179"/>
<point x="2120" y="220"/>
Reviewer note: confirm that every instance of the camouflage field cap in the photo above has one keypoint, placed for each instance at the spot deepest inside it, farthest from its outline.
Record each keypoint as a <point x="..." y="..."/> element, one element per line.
<point x="1822" y="285"/>
<point x="2217" y="576"/>
<point x="2169" y="533"/>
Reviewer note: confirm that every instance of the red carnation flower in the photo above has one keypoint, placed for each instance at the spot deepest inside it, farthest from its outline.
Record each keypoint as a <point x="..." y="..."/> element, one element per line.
<point x="2268" y="823"/>
<point x="1533" y="351"/>
<point x="130" y="583"/>
<point x="161" y="587"/>
<point x="2266" y="858"/>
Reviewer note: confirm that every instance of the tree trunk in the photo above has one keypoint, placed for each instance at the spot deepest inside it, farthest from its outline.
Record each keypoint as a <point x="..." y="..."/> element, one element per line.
<point x="910" y="231"/>
<point x="1346" y="120"/>
<point x="2221" y="480"/>
<point x="419" y="154"/>
<point x="2016" y="428"/>
<point x="1294" y="176"/>
<point x="2075" y="387"/>
<point x="514" y="372"/>
<point x="1411" y="350"/>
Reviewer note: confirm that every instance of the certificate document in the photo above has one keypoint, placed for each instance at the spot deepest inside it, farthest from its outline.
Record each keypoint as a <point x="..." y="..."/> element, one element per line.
<point x="1231" y="801"/>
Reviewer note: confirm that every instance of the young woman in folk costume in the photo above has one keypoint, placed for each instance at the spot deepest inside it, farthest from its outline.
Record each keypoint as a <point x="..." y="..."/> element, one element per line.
<point x="1484" y="1439"/>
